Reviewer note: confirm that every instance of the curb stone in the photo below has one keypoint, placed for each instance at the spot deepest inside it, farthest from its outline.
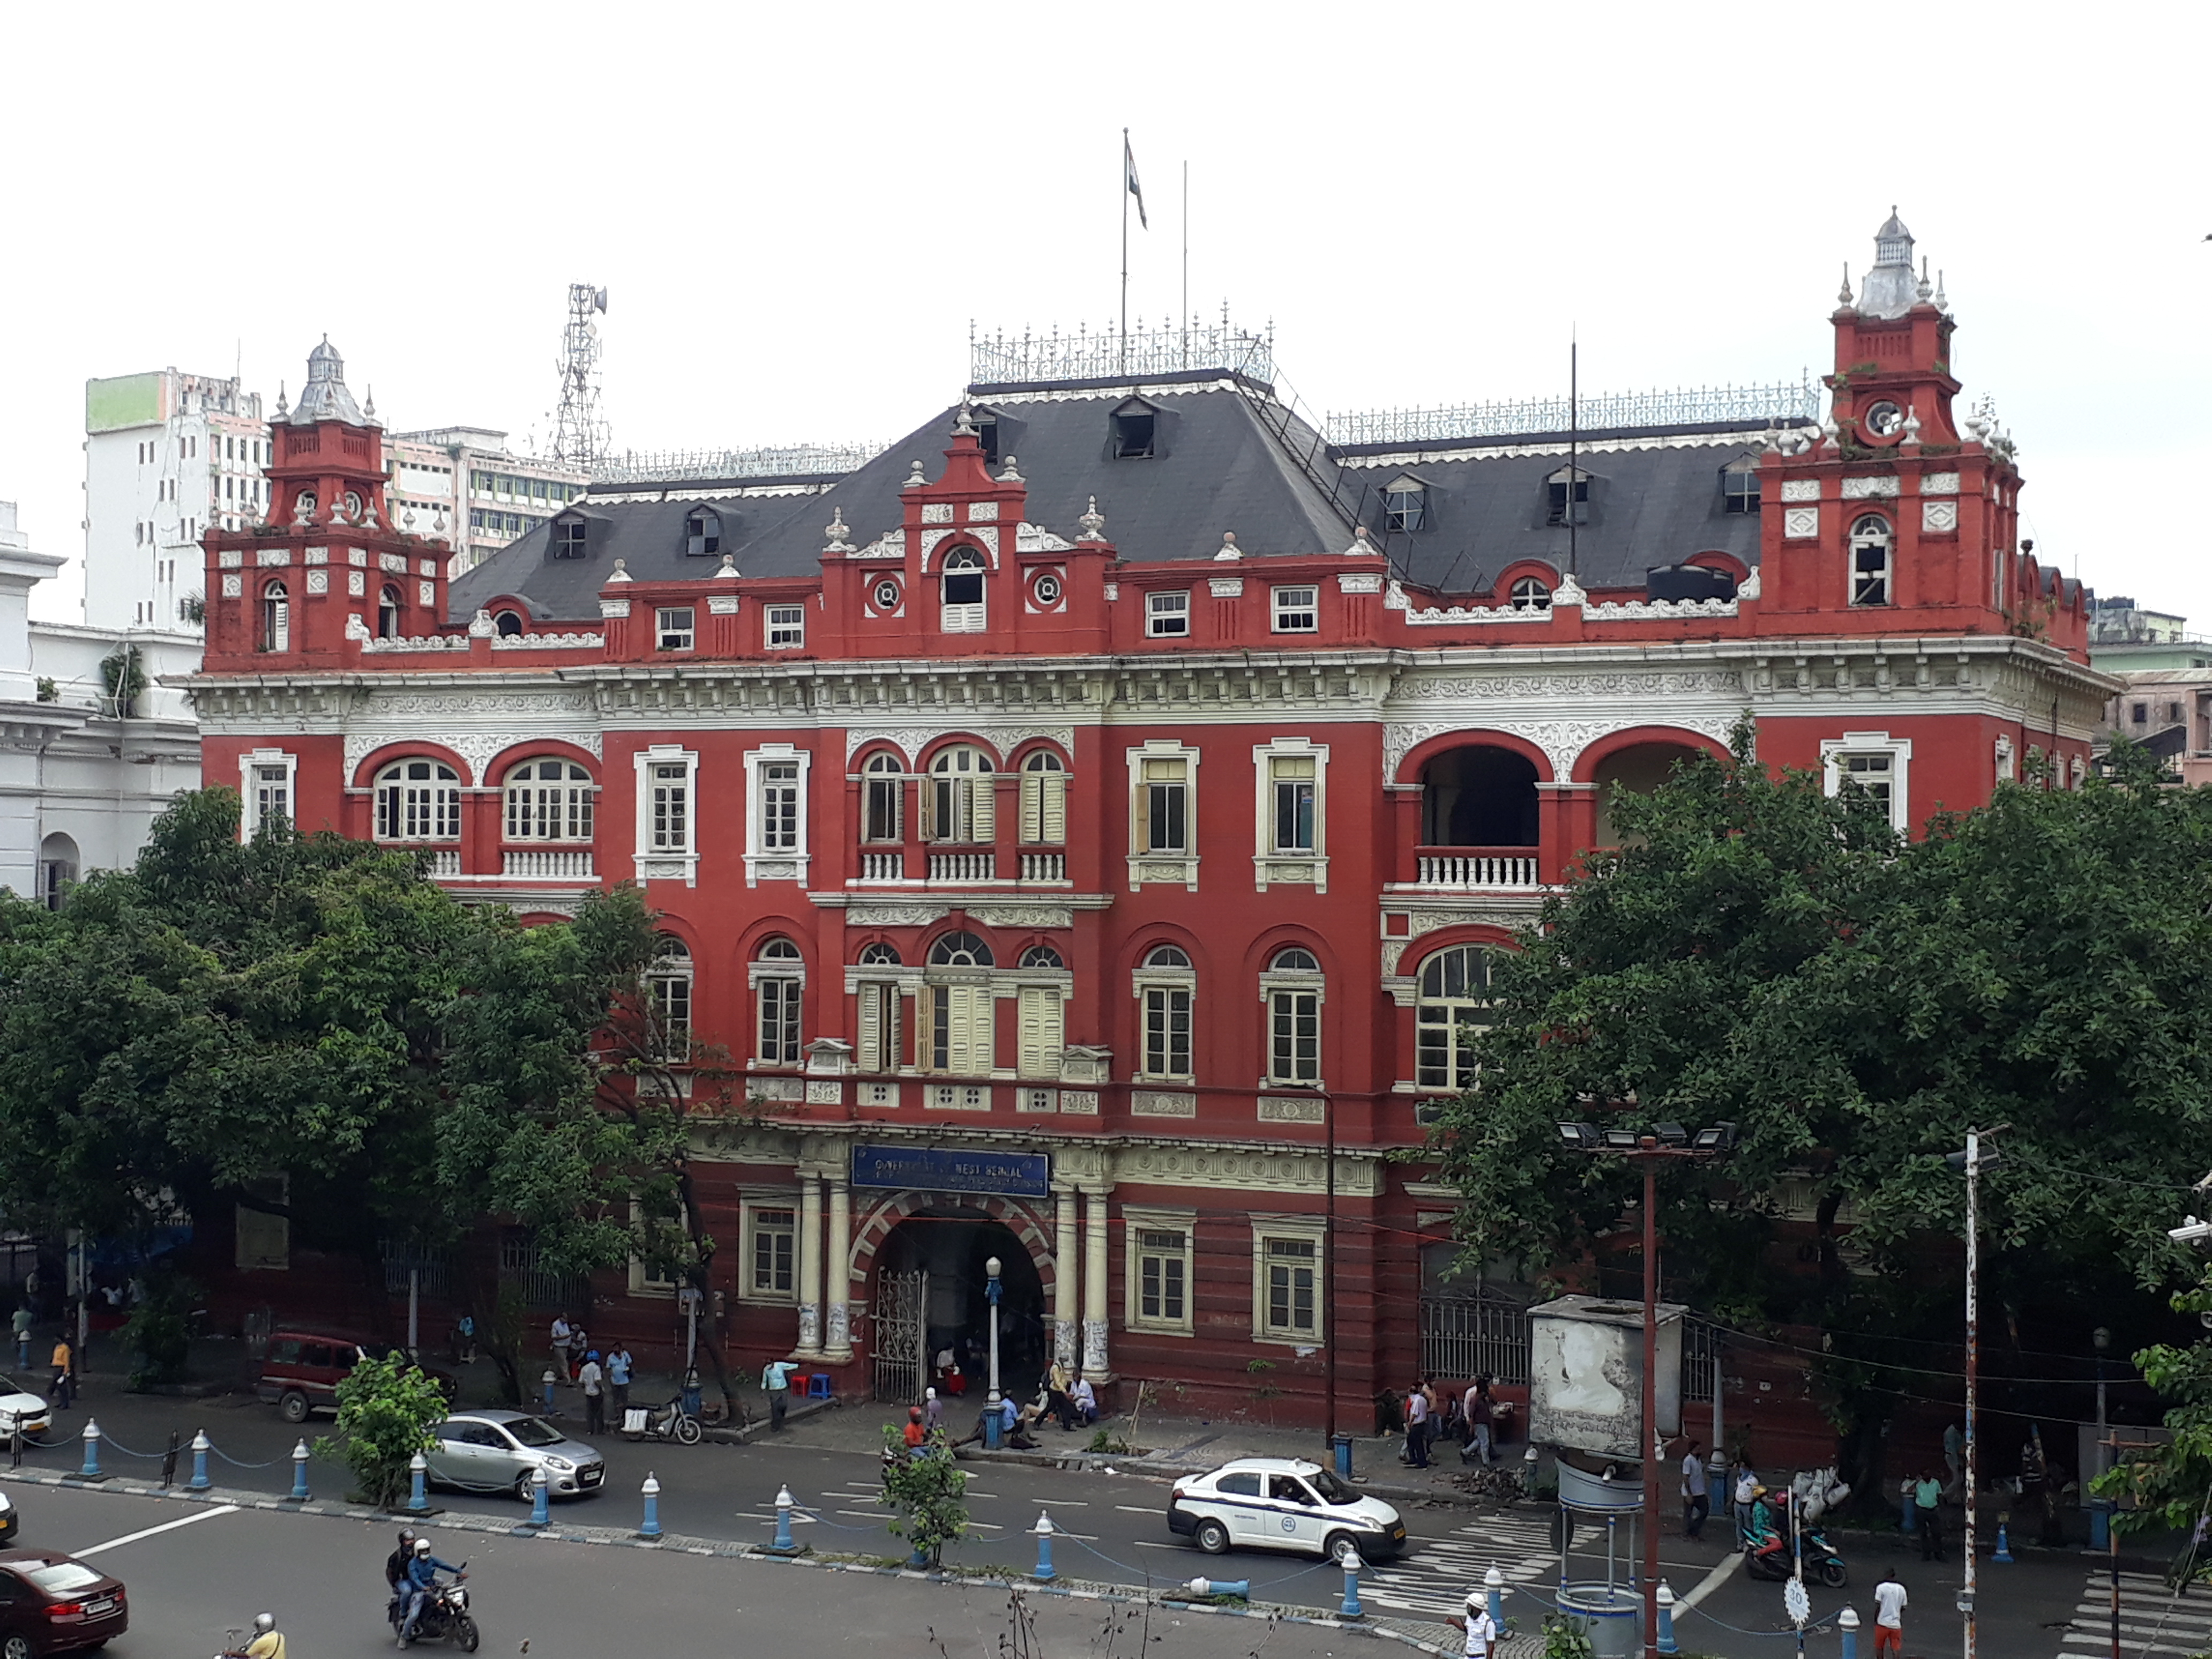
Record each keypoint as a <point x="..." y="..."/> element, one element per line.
<point x="1399" y="1630"/>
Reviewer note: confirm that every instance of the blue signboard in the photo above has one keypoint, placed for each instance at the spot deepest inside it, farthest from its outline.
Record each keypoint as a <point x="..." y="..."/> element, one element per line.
<point x="953" y="1169"/>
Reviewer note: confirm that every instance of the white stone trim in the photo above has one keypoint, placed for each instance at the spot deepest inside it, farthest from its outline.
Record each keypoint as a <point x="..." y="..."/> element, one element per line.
<point x="1310" y="1228"/>
<point x="249" y="814"/>
<point x="1834" y="750"/>
<point x="670" y="864"/>
<point x="1163" y="869"/>
<point x="749" y="1206"/>
<point x="1801" y="489"/>
<point x="1292" y="868"/>
<point x="781" y="863"/>
<point x="1135" y="1221"/>
<point x="1800" y="524"/>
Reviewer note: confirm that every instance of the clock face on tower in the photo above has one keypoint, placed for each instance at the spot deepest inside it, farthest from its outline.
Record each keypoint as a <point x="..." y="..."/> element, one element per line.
<point x="1883" y="421"/>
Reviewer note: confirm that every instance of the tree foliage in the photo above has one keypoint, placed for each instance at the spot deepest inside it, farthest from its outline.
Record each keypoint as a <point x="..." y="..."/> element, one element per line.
<point x="928" y="1490"/>
<point x="1759" y="952"/>
<point x="387" y="1409"/>
<point x="418" y="1070"/>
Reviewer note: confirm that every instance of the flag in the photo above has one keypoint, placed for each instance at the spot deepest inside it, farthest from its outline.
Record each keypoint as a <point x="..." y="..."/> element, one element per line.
<point x="1129" y="178"/>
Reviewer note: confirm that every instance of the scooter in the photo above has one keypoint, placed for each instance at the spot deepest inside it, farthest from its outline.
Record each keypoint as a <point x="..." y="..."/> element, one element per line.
<point x="446" y="1616"/>
<point x="668" y="1422"/>
<point x="1824" y="1562"/>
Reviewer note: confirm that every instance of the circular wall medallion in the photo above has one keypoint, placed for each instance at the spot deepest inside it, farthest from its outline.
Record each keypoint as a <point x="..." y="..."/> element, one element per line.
<point x="887" y="595"/>
<point x="1883" y="421"/>
<point x="1046" y="589"/>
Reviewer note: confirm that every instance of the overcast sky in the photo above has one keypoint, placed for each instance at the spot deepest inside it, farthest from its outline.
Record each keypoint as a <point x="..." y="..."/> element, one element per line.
<point x="798" y="208"/>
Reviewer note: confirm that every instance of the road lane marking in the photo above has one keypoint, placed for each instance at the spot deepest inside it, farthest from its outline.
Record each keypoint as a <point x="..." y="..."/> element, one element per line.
<point x="1711" y="1582"/>
<point x="1137" y="1509"/>
<point x="149" y="1532"/>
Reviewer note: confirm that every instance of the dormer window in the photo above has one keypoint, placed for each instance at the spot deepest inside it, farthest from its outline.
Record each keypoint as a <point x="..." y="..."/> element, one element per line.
<point x="1871" y="571"/>
<point x="1739" y="485"/>
<point x="987" y="433"/>
<point x="702" y="532"/>
<point x="964" y="592"/>
<point x="507" y="624"/>
<point x="1134" y="425"/>
<point x="570" y="537"/>
<point x="1557" y="489"/>
<point x="1405" y="505"/>
<point x="1530" y="594"/>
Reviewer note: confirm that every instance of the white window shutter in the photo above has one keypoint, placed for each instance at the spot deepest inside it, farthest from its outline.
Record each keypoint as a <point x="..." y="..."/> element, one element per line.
<point x="872" y="1029"/>
<point x="1040" y="1026"/>
<point x="1033" y="806"/>
<point x="985" y="815"/>
<point x="1053" y="786"/>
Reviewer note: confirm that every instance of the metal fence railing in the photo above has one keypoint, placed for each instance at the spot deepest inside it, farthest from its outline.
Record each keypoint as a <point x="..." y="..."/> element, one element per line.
<point x="1471" y="1336"/>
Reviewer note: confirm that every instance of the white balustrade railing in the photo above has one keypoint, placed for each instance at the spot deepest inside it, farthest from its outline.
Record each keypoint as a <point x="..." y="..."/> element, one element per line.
<point x="964" y="866"/>
<point x="445" y="863"/>
<point x="883" y="867"/>
<point x="1044" y="867"/>
<point x="1480" y="870"/>
<point x="548" y="864"/>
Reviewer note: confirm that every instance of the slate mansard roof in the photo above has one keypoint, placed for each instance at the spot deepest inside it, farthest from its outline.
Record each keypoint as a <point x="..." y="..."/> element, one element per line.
<point x="1226" y="459"/>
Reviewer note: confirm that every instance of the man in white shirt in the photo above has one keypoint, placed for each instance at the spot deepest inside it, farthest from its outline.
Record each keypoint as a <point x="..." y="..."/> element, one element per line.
<point x="1695" y="1502"/>
<point x="1889" y="1600"/>
<point x="1084" y="1398"/>
<point x="1481" y="1629"/>
<point x="1416" y="1429"/>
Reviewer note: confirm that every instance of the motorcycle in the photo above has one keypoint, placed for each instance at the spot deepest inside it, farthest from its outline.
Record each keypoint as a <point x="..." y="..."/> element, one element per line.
<point x="446" y="1616"/>
<point x="668" y="1422"/>
<point x="1809" y="1497"/>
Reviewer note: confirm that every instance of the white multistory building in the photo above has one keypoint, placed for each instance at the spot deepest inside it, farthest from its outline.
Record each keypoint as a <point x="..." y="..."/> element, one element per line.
<point x="462" y="485"/>
<point x="93" y="743"/>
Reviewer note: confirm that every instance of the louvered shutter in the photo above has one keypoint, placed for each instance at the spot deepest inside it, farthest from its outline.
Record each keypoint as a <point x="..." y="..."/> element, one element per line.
<point x="872" y="1029"/>
<point x="982" y="796"/>
<point x="1053" y="788"/>
<point x="1033" y="806"/>
<point x="1040" y="1028"/>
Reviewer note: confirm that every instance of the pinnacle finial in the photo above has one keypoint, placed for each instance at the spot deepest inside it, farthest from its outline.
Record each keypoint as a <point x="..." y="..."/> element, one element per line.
<point x="1093" y="522"/>
<point x="1844" y="294"/>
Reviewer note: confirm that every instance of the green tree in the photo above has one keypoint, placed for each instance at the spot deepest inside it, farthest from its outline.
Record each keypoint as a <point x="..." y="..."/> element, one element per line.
<point x="1759" y="952"/>
<point x="387" y="1409"/>
<point x="929" y="1491"/>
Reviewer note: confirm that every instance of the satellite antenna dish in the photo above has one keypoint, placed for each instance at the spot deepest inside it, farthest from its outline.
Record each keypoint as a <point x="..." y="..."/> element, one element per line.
<point x="600" y="299"/>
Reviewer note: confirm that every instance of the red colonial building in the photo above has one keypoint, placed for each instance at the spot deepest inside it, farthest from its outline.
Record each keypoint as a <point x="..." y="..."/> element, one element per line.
<point x="1089" y="823"/>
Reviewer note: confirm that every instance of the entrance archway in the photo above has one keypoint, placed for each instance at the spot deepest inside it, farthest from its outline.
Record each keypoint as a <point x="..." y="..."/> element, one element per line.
<point x="949" y="1243"/>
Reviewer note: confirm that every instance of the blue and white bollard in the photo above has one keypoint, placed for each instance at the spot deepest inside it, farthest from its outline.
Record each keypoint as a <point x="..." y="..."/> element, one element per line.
<point x="540" y="1512"/>
<point x="201" y="1446"/>
<point x="1044" y="1547"/>
<point x="418" y="1498"/>
<point x="1493" y="1583"/>
<point x="1352" y="1609"/>
<point x="652" y="1491"/>
<point x="2004" y="1545"/>
<point x="994" y="1423"/>
<point x="783" y="1546"/>
<point x="1240" y="1588"/>
<point x="300" y="1472"/>
<point x="1665" y="1599"/>
<point x="549" y="1390"/>
<point x="91" y="1469"/>
<point x="1847" y="1622"/>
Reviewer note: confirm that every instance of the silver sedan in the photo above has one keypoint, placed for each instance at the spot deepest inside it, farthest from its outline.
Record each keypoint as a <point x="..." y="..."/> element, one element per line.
<point x="500" y="1450"/>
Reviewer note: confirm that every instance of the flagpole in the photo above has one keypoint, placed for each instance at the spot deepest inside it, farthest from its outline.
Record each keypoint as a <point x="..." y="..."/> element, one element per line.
<point x="1124" y="250"/>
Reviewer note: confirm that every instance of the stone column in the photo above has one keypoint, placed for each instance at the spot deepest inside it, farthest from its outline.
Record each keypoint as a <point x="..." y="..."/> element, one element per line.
<point x="810" y="1264"/>
<point x="1068" y="1256"/>
<point x="838" y="1341"/>
<point x="1095" y="1363"/>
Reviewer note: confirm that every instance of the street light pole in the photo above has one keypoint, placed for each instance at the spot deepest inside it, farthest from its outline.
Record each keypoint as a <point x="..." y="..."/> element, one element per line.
<point x="1973" y="1363"/>
<point x="991" y="1293"/>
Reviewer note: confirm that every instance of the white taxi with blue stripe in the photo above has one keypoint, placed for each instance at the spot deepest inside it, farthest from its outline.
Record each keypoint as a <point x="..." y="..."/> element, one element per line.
<point x="1282" y="1503"/>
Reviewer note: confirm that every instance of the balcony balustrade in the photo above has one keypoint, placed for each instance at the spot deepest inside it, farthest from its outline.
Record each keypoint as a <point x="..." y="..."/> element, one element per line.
<point x="1044" y="867"/>
<point x="883" y="867"/>
<point x="964" y="866"/>
<point x="1479" y="869"/>
<point x="569" y="864"/>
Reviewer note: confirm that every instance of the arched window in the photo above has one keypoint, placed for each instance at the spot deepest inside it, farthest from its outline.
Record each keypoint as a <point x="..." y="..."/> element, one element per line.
<point x="1871" y="570"/>
<point x="1041" y="1018"/>
<point x="507" y="624"/>
<point x="668" y="1001"/>
<point x="779" y="981"/>
<point x="879" y="955"/>
<point x="1293" y="989"/>
<point x="1530" y="594"/>
<point x="1165" y="988"/>
<point x="1041" y="955"/>
<point x="702" y="531"/>
<point x="418" y="801"/>
<point x="960" y="950"/>
<point x="549" y="799"/>
<point x="1044" y="798"/>
<point x="1453" y="1005"/>
<point x="387" y="612"/>
<point x="879" y="1047"/>
<point x="276" y="618"/>
<point x="57" y="868"/>
<point x="960" y="799"/>
<point x="883" y="790"/>
<point x="962" y="1009"/>
<point x="964" y="592"/>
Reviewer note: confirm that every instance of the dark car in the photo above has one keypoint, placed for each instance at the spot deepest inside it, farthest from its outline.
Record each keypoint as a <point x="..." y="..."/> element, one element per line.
<point x="53" y="1603"/>
<point x="300" y="1370"/>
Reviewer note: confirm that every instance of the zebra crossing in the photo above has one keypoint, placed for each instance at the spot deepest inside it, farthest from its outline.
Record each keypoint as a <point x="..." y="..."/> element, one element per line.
<point x="1432" y="1579"/>
<point x="2154" y="1623"/>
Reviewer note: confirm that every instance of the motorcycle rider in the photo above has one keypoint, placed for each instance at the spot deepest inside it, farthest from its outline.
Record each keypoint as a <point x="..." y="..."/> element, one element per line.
<point x="395" y="1574"/>
<point x="1765" y="1535"/>
<point x="268" y="1641"/>
<point x="423" y="1578"/>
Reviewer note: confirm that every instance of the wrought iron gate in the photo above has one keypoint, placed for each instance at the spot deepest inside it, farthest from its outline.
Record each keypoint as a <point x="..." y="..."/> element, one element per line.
<point x="899" y="1335"/>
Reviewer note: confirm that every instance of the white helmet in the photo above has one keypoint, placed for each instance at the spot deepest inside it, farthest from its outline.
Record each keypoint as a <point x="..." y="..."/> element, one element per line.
<point x="265" y="1622"/>
<point x="422" y="1546"/>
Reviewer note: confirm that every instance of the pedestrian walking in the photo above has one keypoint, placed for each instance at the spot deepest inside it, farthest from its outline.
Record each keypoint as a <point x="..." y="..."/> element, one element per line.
<point x="563" y="1334"/>
<point x="1696" y="1505"/>
<point x="1889" y="1601"/>
<point x="1746" y="1490"/>
<point x="1927" y="1497"/>
<point x="1416" y="1429"/>
<point x="464" y="1339"/>
<point x="619" y="1366"/>
<point x="593" y="1381"/>
<point x="776" y="1378"/>
<point x="64" y="1363"/>
<point x="22" y="1323"/>
<point x="1481" y="1629"/>
<point x="1481" y="1412"/>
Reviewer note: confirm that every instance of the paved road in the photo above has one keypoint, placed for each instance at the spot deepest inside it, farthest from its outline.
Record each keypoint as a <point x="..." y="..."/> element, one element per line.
<point x="193" y="1582"/>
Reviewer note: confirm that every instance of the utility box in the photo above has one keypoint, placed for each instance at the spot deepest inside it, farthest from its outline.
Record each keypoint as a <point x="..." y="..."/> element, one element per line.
<point x="1586" y="1375"/>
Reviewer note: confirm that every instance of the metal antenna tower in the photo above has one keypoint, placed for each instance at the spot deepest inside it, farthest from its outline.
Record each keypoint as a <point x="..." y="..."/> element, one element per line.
<point x="580" y="429"/>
